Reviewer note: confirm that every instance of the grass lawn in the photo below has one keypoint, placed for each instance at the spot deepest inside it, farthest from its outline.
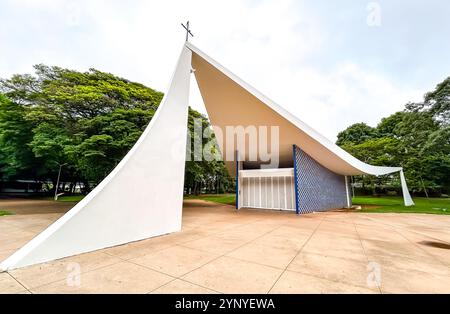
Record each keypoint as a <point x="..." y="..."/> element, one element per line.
<point x="228" y="199"/>
<point x="69" y="198"/>
<point x="386" y="204"/>
<point x="4" y="212"/>
<point x="369" y="204"/>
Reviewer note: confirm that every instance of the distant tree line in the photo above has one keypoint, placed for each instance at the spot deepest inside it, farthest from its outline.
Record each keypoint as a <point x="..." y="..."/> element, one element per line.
<point x="83" y="122"/>
<point x="417" y="138"/>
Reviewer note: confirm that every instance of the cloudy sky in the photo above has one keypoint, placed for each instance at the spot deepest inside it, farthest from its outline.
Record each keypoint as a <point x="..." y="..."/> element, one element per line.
<point x="330" y="63"/>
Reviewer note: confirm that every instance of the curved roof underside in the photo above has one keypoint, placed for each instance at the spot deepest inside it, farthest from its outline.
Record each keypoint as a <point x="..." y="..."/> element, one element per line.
<point x="230" y="101"/>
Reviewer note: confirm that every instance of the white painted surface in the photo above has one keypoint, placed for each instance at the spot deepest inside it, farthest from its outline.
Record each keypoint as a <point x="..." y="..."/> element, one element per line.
<point x="268" y="189"/>
<point x="280" y="172"/>
<point x="347" y="192"/>
<point x="314" y="144"/>
<point x="141" y="198"/>
<point x="406" y="196"/>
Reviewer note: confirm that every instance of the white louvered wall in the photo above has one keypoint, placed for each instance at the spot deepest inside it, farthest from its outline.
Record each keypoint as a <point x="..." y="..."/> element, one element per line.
<point x="267" y="189"/>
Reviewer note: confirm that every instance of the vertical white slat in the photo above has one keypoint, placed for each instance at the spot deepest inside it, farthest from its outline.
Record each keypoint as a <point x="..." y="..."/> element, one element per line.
<point x="265" y="192"/>
<point x="249" y="192"/>
<point x="260" y="201"/>
<point x="244" y="189"/>
<point x="285" y="195"/>
<point x="280" y="196"/>
<point x="254" y="192"/>
<point x="292" y="193"/>
<point x="281" y="189"/>
<point x="263" y="203"/>
<point x="271" y="187"/>
<point x="277" y="192"/>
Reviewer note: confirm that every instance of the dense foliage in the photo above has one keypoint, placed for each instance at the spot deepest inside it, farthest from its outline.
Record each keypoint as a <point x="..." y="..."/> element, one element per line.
<point x="417" y="139"/>
<point x="84" y="122"/>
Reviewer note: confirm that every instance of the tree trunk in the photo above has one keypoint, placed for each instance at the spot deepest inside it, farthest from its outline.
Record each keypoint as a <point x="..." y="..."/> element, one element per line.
<point x="424" y="188"/>
<point x="353" y="186"/>
<point x="195" y="188"/>
<point x="87" y="187"/>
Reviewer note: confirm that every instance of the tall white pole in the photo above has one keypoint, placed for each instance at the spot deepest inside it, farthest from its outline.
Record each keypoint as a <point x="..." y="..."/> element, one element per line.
<point x="57" y="182"/>
<point x="347" y="192"/>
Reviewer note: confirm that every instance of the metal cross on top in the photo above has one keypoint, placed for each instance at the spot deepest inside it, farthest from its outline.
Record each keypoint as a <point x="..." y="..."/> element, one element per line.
<point x="188" y="31"/>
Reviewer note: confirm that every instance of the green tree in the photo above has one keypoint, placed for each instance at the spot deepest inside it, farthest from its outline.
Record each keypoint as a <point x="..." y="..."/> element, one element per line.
<point x="437" y="103"/>
<point x="357" y="133"/>
<point x="388" y="127"/>
<point x="86" y="121"/>
<point x="16" y="156"/>
<point x="418" y="139"/>
<point x="208" y="175"/>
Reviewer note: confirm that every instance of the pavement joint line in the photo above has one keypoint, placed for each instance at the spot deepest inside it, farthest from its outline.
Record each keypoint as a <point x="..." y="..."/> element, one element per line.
<point x="428" y="236"/>
<point x="102" y="267"/>
<point x="180" y="244"/>
<point x="145" y="266"/>
<point x="179" y="278"/>
<point x="18" y="282"/>
<point x="218" y="256"/>
<point x="365" y="253"/>
<point x="398" y="226"/>
<point x="227" y="252"/>
<point x="82" y="273"/>
<point x="304" y="244"/>
<point x="223" y="255"/>
<point x="308" y="274"/>
<point x="200" y="285"/>
<point x="169" y="246"/>
<point x="130" y="258"/>
<point x="89" y="271"/>
<point x="328" y="279"/>
<point x="422" y="249"/>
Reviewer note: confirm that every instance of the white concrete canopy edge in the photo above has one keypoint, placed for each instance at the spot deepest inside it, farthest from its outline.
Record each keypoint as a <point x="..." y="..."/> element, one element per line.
<point x="141" y="198"/>
<point x="335" y="152"/>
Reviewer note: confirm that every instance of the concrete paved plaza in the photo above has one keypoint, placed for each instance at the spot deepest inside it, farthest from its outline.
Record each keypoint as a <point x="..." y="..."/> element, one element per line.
<point x="220" y="250"/>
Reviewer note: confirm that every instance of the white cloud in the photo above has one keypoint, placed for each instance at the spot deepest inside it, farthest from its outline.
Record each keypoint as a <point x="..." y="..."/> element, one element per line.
<point x="347" y="94"/>
<point x="268" y="43"/>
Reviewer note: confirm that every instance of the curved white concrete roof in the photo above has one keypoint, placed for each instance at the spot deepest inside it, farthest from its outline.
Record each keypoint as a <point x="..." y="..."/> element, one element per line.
<point x="232" y="102"/>
<point x="226" y="102"/>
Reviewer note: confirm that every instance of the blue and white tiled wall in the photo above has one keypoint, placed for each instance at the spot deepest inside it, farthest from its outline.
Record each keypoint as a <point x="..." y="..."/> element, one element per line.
<point x="318" y="188"/>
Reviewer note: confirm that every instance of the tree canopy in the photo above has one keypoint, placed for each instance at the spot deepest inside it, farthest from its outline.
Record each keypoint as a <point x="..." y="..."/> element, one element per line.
<point x="418" y="139"/>
<point x="357" y="133"/>
<point x="85" y="121"/>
